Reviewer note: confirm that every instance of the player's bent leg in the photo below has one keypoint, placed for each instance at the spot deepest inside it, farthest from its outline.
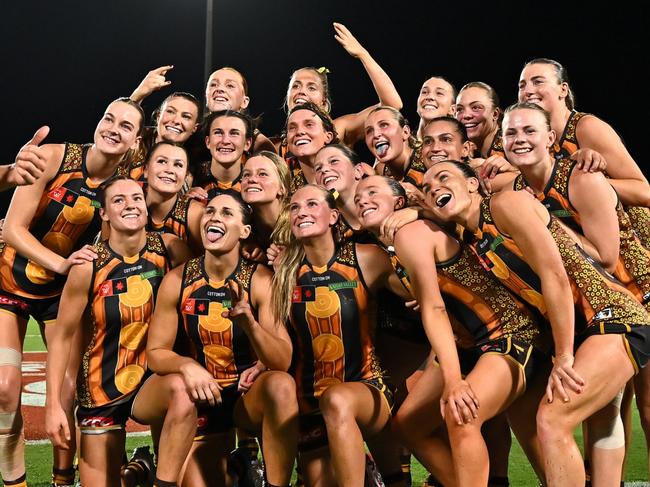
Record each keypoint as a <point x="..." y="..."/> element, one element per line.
<point x="606" y="444"/>
<point x="496" y="381"/>
<point x="207" y="463"/>
<point x="418" y="425"/>
<point x="557" y="420"/>
<point x="522" y="414"/>
<point x="163" y="401"/>
<point x="100" y="458"/>
<point x="352" y="410"/>
<point x="270" y="408"/>
<point x="12" y="441"/>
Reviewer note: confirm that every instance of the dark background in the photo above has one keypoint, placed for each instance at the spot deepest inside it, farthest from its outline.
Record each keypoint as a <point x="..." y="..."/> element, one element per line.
<point x="63" y="61"/>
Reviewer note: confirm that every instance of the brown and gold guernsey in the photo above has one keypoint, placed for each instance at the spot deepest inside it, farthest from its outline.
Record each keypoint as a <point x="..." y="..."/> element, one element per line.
<point x="484" y="308"/>
<point x="176" y="220"/>
<point x="218" y="344"/>
<point x="415" y="169"/>
<point x="297" y="177"/>
<point x="633" y="267"/>
<point x="568" y="144"/>
<point x="479" y="306"/>
<point x="332" y="319"/>
<point x="123" y="293"/>
<point x="206" y="180"/>
<point x="346" y="232"/>
<point x="65" y="220"/>
<point x="599" y="299"/>
<point x="496" y="147"/>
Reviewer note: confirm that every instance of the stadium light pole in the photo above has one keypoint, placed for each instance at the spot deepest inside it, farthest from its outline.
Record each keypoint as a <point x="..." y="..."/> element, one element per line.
<point x="209" y="18"/>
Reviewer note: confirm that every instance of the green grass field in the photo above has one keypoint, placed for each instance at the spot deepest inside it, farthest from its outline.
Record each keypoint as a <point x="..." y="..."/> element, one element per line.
<point x="39" y="456"/>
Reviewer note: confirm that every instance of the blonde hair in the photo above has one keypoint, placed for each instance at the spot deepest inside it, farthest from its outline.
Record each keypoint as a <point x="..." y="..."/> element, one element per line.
<point x="282" y="231"/>
<point x="284" y="279"/>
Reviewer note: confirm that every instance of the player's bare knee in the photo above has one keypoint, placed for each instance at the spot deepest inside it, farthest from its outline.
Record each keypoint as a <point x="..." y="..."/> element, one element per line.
<point x="278" y="386"/>
<point x="335" y="406"/>
<point x="10" y="378"/>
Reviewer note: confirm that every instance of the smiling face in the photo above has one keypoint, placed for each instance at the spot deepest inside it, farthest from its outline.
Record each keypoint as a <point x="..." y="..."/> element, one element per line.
<point x="526" y="137"/>
<point x="178" y="120"/>
<point x="227" y="140"/>
<point x="475" y="110"/>
<point x="448" y="191"/>
<point x="222" y="224"/>
<point x="385" y="138"/>
<point x="225" y="91"/>
<point x="442" y="141"/>
<point x="124" y="206"/>
<point x="310" y="214"/>
<point x="306" y="85"/>
<point x="334" y="170"/>
<point x="375" y="201"/>
<point x="260" y="181"/>
<point x="166" y="169"/>
<point x="306" y="134"/>
<point x="117" y="131"/>
<point x="539" y="84"/>
<point x="436" y="99"/>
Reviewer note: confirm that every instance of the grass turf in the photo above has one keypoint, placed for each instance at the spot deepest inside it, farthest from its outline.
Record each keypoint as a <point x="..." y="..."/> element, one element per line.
<point x="39" y="456"/>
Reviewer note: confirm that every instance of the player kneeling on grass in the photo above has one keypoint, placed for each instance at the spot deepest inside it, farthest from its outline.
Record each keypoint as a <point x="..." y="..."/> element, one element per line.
<point x="219" y="304"/>
<point x="111" y="301"/>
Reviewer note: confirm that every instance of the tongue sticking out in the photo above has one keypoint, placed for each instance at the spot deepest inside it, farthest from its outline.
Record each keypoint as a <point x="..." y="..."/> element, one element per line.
<point x="213" y="235"/>
<point x="382" y="149"/>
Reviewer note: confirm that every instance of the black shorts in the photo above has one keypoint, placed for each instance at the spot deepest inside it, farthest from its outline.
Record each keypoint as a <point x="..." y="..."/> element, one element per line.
<point x="635" y="338"/>
<point x="527" y="357"/>
<point x="312" y="432"/>
<point x="102" y="419"/>
<point x="43" y="310"/>
<point x="217" y="419"/>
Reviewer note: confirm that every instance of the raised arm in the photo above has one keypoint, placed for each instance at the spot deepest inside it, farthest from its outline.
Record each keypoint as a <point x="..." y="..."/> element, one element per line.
<point x="30" y="163"/>
<point x="21" y="211"/>
<point x="153" y="81"/>
<point x="74" y="301"/>
<point x="626" y="176"/>
<point x="350" y="127"/>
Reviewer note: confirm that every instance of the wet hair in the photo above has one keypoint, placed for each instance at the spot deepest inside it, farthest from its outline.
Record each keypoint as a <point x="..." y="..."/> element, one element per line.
<point x="328" y="123"/>
<point x="562" y="77"/>
<point x="322" y="76"/>
<point x="103" y="188"/>
<point x="454" y="92"/>
<point x="246" y="210"/>
<point x="345" y="150"/>
<point x="396" y="188"/>
<point x="530" y="106"/>
<point x="284" y="279"/>
<point x="179" y="94"/>
<point x="413" y="141"/>
<point x="249" y="126"/>
<point x="460" y="128"/>
<point x="131" y="103"/>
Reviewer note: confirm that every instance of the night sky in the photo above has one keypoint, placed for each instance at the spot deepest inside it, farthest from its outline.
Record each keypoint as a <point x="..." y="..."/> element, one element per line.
<point x="63" y="61"/>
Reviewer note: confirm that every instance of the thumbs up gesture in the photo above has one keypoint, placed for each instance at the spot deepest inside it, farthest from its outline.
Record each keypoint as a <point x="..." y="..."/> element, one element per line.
<point x="31" y="160"/>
